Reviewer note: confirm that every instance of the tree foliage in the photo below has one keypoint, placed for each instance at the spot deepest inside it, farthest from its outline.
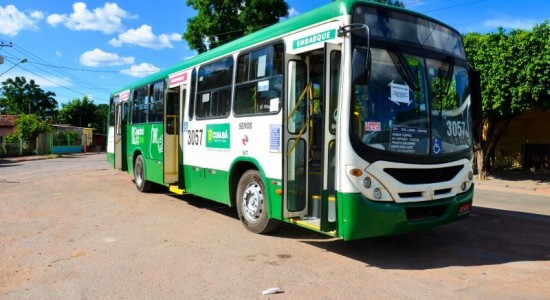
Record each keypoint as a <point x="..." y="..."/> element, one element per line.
<point x="28" y="127"/>
<point x="221" y="21"/>
<point x="390" y="2"/>
<point x="22" y="97"/>
<point x="515" y="76"/>
<point x="84" y="113"/>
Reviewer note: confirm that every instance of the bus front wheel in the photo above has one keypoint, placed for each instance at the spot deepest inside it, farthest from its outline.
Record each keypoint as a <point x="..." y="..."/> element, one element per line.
<point x="252" y="204"/>
<point x="142" y="184"/>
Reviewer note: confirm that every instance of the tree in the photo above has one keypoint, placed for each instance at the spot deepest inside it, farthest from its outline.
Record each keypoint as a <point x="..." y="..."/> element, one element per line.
<point x="102" y="112"/>
<point x="84" y="113"/>
<point x="390" y="2"/>
<point x="514" y="71"/>
<point x="81" y="113"/>
<point x="221" y="21"/>
<point x="28" y="127"/>
<point x="22" y="97"/>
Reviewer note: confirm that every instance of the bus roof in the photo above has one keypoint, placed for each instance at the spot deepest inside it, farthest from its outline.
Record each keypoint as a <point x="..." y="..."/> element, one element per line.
<point x="329" y="11"/>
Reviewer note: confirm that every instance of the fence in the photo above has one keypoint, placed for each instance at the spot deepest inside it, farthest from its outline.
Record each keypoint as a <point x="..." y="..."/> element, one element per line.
<point x="19" y="148"/>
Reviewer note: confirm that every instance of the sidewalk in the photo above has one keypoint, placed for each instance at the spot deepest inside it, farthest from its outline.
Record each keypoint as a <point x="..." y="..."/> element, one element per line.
<point x="519" y="181"/>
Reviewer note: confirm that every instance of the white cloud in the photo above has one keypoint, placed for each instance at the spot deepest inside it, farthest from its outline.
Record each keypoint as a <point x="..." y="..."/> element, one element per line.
<point x="12" y="21"/>
<point x="98" y="57"/>
<point x="292" y="12"/>
<point x="141" y="70"/>
<point x="510" y="23"/>
<point x="107" y="19"/>
<point x="144" y="37"/>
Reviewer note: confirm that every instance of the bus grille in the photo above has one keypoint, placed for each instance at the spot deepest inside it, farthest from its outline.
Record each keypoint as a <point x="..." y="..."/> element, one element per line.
<point x="424" y="176"/>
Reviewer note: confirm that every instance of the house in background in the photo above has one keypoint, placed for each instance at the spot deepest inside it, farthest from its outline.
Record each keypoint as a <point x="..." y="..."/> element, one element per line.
<point x="7" y="124"/>
<point x="526" y="142"/>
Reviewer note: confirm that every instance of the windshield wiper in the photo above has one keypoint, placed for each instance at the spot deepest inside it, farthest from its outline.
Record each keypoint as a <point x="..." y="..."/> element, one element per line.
<point x="403" y="68"/>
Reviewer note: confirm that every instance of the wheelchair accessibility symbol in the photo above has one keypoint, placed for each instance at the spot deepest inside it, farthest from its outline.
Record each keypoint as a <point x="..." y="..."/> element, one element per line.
<point x="437" y="146"/>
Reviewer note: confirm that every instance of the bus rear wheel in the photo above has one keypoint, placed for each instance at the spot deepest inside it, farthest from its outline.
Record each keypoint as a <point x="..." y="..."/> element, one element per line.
<point x="252" y="204"/>
<point x="140" y="180"/>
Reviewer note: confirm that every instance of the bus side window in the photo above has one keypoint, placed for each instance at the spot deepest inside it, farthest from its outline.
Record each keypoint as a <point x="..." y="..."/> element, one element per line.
<point x="259" y="81"/>
<point x="214" y="89"/>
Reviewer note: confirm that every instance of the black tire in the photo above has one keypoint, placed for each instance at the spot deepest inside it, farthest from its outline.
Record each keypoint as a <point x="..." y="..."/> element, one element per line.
<point x="252" y="204"/>
<point x="140" y="180"/>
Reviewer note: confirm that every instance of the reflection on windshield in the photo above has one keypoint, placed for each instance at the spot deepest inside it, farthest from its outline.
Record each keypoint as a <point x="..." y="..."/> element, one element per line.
<point x="392" y="111"/>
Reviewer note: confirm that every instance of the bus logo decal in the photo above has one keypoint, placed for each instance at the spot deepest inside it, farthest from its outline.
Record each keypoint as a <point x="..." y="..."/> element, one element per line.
<point x="316" y="38"/>
<point x="218" y="136"/>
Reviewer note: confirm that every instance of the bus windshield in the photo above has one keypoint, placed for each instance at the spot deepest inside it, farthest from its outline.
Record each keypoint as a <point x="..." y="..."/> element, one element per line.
<point x="411" y="103"/>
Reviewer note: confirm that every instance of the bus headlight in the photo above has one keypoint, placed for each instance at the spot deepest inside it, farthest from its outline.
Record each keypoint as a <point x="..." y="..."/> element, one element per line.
<point x="367" y="182"/>
<point x="377" y="193"/>
<point x="368" y="185"/>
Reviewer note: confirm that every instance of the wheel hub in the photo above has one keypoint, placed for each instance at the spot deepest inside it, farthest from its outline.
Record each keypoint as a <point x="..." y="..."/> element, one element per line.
<point x="253" y="200"/>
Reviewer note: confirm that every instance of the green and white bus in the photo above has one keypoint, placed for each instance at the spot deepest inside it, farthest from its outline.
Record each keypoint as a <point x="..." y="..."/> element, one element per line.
<point x="353" y="120"/>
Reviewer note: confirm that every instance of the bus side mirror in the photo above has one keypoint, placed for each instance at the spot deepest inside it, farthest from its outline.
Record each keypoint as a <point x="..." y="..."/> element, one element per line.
<point x="475" y="95"/>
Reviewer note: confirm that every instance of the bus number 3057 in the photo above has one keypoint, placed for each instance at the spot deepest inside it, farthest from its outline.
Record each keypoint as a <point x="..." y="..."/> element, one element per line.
<point x="195" y="137"/>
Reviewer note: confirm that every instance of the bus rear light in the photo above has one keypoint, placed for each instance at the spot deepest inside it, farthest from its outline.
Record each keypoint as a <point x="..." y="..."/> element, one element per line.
<point x="356" y="173"/>
<point x="279" y="192"/>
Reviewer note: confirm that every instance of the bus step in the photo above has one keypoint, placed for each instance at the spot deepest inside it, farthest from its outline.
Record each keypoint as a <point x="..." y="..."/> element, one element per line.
<point x="311" y="223"/>
<point x="174" y="189"/>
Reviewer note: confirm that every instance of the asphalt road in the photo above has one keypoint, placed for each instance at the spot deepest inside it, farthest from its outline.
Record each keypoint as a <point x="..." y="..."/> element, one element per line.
<point x="73" y="228"/>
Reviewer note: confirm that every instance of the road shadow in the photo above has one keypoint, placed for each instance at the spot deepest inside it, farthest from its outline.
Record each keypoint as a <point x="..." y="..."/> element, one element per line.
<point x="488" y="237"/>
<point x="8" y="163"/>
<point x="542" y="177"/>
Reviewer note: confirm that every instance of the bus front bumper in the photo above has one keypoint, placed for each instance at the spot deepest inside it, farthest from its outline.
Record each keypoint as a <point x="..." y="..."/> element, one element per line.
<point x="361" y="218"/>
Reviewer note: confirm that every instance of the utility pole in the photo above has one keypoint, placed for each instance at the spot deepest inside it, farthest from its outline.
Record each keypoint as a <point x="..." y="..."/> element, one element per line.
<point x="2" y="44"/>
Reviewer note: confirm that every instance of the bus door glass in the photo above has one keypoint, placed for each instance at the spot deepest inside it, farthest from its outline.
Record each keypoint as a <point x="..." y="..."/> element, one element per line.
<point x="118" y="134"/>
<point x="296" y="135"/>
<point x="333" y="61"/>
<point x="171" y="134"/>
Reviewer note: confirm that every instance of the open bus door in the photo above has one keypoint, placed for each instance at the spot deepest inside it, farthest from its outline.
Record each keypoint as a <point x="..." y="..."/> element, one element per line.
<point x="121" y="117"/>
<point x="171" y="134"/>
<point x="310" y="137"/>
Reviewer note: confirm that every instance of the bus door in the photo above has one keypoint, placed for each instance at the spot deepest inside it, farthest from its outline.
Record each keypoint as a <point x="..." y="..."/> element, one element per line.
<point x="310" y="130"/>
<point x="121" y="114"/>
<point x="171" y="133"/>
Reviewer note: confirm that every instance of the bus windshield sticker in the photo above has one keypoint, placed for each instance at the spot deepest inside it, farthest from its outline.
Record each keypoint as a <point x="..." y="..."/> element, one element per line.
<point x="205" y="97"/>
<point x="274" y="105"/>
<point x="263" y="86"/>
<point x="399" y="93"/>
<point x="373" y="126"/>
<point x="406" y="139"/>
<point x="274" y="138"/>
<point x="437" y="146"/>
<point x="261" y="66"/>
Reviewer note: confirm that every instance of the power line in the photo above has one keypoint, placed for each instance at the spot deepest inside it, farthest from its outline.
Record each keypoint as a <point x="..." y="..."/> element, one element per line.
<point x="59" y="85"/>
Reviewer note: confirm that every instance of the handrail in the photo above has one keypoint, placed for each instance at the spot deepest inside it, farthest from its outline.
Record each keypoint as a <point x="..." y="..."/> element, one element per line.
<point x="309" y="92"/>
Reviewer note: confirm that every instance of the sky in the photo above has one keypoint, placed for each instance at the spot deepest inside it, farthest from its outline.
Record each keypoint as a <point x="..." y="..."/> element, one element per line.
<point x="91" y="48"/>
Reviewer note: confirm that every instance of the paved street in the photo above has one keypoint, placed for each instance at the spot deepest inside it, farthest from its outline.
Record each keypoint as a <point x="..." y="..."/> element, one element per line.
<point x="72" y="227"/>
